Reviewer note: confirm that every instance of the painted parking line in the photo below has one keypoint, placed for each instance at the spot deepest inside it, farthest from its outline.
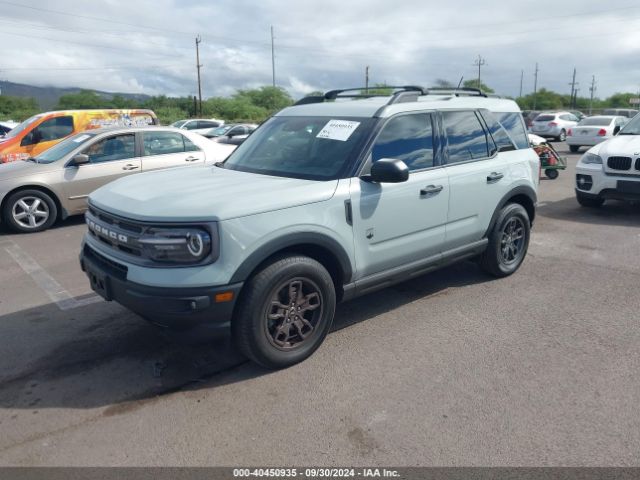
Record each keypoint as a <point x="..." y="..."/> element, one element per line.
<point x="49" y="285"/>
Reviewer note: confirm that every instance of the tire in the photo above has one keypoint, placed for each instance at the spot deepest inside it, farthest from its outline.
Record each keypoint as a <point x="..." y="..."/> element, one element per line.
<point x="574" y="148"/>
<point x="262" y="328"/>
<point x="589" y="202"/>
<point x="505" y="253"/>
<point x="29" y="211"/>
<point x="563" y="136"/>
<point x="551" y="173"/>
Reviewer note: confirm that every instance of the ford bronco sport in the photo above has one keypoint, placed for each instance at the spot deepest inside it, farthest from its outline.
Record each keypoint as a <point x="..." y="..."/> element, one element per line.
<point x="336" y="196"/>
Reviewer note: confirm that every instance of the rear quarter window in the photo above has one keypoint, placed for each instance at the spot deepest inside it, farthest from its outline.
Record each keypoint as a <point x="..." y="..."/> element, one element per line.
<point x="545" y="118"/>
<point x="513" y="124"/>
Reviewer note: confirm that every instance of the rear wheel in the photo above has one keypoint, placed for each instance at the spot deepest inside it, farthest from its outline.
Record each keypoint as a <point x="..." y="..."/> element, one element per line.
<point x="563" y="135"/>
<point x="589" y="202"/>
<point x="508" y="242"/>
<point x="29" y="211"/>
<point x="285" y="311"/>
<point x="574" y="148"/>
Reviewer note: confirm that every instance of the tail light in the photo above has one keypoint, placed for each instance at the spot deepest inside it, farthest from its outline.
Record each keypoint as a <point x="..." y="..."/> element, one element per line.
<point x="553" y="124"/>
<point x="602" y="132"/>
<point x="569" y="133"/>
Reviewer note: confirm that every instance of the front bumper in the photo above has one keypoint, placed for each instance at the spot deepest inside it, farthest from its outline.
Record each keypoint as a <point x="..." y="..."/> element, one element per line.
<point x="174" y="308"/>
<point x="598" y="184"/>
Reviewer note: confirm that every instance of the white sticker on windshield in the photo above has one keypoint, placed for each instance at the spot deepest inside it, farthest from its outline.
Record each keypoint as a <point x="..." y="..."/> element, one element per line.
<point x="338" y="130"/>
<point x="81" y="138"/>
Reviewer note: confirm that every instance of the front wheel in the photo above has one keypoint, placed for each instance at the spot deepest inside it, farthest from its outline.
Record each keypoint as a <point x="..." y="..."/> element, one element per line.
<point x="589" y="202"/>
<point x="286" y="310"/>
<point x="551" y="173"/>
<point x="574" y="148"/>
<point x="508" y="242"/>
<point x="28" y="211"/>
<point x="563" y="136"/>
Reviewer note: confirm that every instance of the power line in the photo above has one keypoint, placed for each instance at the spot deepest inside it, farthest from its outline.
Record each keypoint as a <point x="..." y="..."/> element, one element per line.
<point x="479" y="63"/>
<point x="198" y="66"/>
<point x="592" y="90"/>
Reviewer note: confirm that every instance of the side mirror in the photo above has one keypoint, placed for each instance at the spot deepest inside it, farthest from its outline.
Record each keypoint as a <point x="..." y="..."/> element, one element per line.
<point x="389" y="170"/>
<point x="80" y="159"/>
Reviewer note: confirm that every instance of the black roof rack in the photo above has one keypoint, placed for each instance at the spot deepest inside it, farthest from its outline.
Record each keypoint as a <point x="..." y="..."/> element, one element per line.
<point x="399" y="94"/>
<point x="456" y="91"/>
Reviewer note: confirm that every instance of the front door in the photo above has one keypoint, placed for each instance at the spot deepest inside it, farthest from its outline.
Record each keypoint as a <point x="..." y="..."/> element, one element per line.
<point x="398" y="223"/>
<point x="109" y="158"/>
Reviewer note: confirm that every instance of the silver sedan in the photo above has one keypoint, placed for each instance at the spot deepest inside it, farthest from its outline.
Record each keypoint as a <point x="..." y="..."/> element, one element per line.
<point x="593" y="130"/>
<point x="36" y="192"/>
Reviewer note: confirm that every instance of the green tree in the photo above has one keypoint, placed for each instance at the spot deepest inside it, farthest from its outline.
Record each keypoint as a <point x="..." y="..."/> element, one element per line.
<point x="271" y="99"/>
<point x="17" y="108"/>
<point x="620" y="100"/>
<point x="474" y="84"/>
<point x="83" y="99"/>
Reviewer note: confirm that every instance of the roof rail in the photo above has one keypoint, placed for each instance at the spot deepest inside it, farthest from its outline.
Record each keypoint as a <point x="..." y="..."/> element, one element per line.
<point x="456" y="91"/>
<point x="402" y="93"/>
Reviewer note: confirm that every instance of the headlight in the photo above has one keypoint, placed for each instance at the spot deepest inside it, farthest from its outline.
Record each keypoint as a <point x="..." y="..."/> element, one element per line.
<point x="591" y="158"/>
<point x="176" y="245"/>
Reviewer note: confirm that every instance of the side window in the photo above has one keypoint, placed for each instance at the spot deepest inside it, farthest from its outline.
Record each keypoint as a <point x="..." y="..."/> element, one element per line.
<point x="52" y="129"/>
<point x="207" y="124"/>
<point x="190" y="125"/>
<point x="236" y="131"/>
<point x="189" y="146"/>
<point x="466" y="137"/>
<point x="118" y="147"/>
<point x="513" y="124"/>
<point x="497" y="131"/>
<point x="408" y="138"/>
<point x="162" y="143"/>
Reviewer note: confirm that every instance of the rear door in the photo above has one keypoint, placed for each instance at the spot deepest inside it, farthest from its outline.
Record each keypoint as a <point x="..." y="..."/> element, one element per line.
<point x="398" y="223"/>
<point x="478" y="177"/>
<point x="166" y="149"/>
<point x="110" y="158"/>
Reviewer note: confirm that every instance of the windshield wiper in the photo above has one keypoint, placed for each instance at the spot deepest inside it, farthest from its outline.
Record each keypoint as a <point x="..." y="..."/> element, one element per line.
<point x="32" y="159"/>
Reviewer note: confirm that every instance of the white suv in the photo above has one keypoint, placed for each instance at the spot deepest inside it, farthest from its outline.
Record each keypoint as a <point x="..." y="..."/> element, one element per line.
<point x="326" y="200"/>
<point x="611" y="170"/>
<point x="554" y="125"/>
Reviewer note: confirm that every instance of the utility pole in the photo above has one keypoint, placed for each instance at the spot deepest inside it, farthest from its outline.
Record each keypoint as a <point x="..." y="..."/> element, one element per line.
<point x="480" y="62"/>
<point x="535" y="87"/>
<point x="573" y="89"/>
<point x="366" y="79"/>
<point x="273" y="58"/>
<point x="198" y="66"/>
<point x="521" y="80"/>
<point x="592" y="90"/>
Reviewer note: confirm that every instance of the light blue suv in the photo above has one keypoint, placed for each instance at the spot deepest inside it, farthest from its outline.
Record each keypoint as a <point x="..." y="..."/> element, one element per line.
<point x="335" y="197"/>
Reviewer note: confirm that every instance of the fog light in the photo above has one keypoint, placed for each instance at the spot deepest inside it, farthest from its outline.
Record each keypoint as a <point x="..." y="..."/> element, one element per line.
<point x="584" y="182"/>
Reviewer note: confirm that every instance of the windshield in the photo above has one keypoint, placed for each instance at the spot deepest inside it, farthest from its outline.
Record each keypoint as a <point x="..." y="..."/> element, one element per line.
<point x="63" y="148"/>
<point x="219" y="131"/>
<point x="595" y="122"/>
<point x="631" y="128"/>
<point x="544" y="118"/>
<point x="314" y="148"/>
<point x="179" y="123"/>
<point x="23" y="126"/>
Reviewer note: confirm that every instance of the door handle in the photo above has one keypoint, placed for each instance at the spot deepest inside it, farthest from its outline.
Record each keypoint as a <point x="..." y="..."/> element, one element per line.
<point x="431" y="190"/>
<point x="191" y="159"/>
<point x="494" y="177"/>
<point x="130" y="166"/>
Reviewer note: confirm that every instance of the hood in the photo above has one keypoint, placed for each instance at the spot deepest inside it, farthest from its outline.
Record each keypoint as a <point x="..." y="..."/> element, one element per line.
<point x="622" y="145"/>
<point x="205" y="194"/>
<point x="22" y="168"/>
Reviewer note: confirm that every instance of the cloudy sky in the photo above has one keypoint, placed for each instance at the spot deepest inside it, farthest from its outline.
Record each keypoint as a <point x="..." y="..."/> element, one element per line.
<point x="147" y="46"/>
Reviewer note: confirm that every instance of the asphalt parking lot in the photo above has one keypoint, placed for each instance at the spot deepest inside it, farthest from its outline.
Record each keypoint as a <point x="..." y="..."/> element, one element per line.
<point x="451" y="369"/>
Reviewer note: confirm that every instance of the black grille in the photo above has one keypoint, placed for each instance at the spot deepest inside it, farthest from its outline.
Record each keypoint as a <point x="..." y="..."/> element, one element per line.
<point x="117" y="269"/>
<point x="619" y="163"/>
<point x="119" y="234"/>
<point x="637" y="163"/>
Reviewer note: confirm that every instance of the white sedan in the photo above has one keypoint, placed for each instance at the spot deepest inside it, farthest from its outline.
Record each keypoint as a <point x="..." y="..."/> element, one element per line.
<point x="594" y="130"/>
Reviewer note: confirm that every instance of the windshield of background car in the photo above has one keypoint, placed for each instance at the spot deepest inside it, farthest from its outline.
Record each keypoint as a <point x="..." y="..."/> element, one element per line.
<point x="63" y="148"/>
<point x="631" y="128"/>
<point x="313" y="148"/>
<point x="544" y="118"/>
<point x="595" y="122"/>
<point x="23" y="126"/>
<point x="179" y="123"/>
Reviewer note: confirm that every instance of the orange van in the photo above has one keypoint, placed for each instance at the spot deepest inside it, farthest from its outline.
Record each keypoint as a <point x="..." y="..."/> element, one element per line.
<point x="44" y="130"/>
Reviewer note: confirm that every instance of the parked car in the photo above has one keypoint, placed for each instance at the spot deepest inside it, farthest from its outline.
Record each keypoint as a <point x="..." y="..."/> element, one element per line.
<point x="554" y="125"/>
<point x="43" y="131"/>
<point x="230" y="130"/>
<point x="578" y="114"/>
<point x="6" y="127"/>
<point x="323" y="202"/>
<point x="55" y="184"/>
<point x="235" y="135"/>
<point x="198" y="125"/>
<point x="623" y="112"/>
<point x="593" y="130"/>
<point x="611" y="170"/>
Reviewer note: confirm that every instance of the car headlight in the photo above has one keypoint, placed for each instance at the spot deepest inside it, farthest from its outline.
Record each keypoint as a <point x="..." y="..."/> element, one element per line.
<point x="591" y="158"/>
<point x="176" y="245"/>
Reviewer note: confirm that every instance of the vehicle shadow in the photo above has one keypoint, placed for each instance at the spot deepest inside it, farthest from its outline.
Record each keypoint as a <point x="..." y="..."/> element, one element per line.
<point x="102" y="355"/>
<point x="612" y="213"/>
